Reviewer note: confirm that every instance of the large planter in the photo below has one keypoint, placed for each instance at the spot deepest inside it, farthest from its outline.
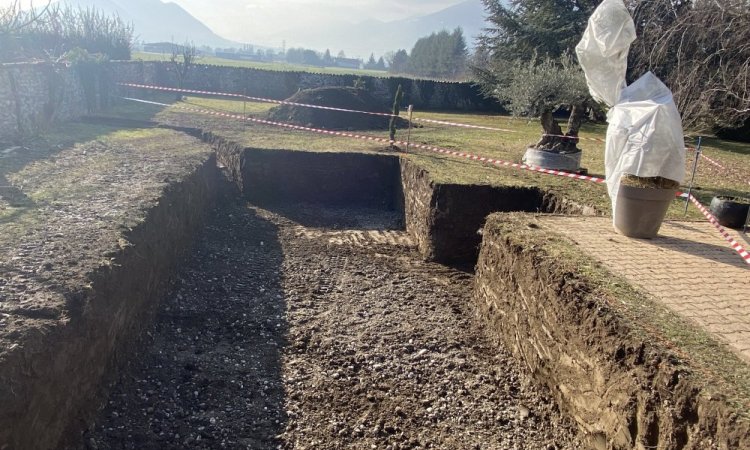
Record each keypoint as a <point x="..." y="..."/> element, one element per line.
<point x="731" y="212"/>
<point x="569" y="162"/>
<point x="640" y="211"/>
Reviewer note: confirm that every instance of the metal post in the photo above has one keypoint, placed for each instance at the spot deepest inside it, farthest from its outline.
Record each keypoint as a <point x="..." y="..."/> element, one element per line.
<point x="695" y="168"/>
<point x="747" y="219"/>
<point x="408" y="134"/>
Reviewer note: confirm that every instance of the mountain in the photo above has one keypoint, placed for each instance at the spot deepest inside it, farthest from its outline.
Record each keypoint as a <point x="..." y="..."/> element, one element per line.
<point x="155" y="21"/>
<point x="379" y="37"/>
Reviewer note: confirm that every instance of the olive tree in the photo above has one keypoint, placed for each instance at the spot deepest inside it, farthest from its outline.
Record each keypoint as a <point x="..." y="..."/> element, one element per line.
<point x="537" y="88"/>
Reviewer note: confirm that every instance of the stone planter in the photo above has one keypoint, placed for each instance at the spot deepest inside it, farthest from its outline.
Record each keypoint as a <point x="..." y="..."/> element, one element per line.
<point x="640" y="211"/>
<point x="731" y="212"/>
<point x="569" y="162"/>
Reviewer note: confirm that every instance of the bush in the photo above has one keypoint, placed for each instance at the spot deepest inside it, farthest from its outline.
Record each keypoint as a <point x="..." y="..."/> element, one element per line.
<point x="54" y="31"/>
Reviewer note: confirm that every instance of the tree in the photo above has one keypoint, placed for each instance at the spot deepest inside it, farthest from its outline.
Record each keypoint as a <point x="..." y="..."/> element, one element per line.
<point x="439" y="55"/>
<point x="54" y="30"/>
<point x="526" y="28"/>
<point x="523" y="59"/>
<point x="182" y="60"/>
<point x="327" y="59"/>
<point x="341" y="54"/>
<point x="700" y="50"/>
<point x="371" y="63"/>
<point x="380" y="65"/>
<point x="398" y="61"/>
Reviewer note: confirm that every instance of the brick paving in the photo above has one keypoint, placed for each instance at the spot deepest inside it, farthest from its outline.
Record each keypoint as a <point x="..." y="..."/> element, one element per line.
<point x="689" y="267"/>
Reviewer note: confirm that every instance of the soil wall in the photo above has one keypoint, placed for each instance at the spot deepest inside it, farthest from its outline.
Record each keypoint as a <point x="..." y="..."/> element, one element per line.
<point x="338" y="179"/>
<point x="618" y="379"/>
<point x="446" y="219"/>
<point x="51" y="380"/>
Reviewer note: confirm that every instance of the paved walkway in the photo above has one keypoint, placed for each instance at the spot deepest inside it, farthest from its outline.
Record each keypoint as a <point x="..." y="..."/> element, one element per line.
<point x="689" y="267"/>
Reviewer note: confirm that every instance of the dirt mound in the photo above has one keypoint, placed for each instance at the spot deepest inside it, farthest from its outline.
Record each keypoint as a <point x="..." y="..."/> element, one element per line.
<point x="336" y="97"/>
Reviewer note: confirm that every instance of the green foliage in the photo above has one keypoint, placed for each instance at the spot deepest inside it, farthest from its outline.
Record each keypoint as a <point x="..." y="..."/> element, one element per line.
<point x="534" y="27"/>
<point x="541" y="85"/>
<point x="372" y="64"/>
<point x="398" y="62"/>
<point x="56" y="30"/>
<point x="439" y="55"/>
<point x="523" y="60"/>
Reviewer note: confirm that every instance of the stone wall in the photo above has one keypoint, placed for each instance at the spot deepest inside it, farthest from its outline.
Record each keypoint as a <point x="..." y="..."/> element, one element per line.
<point x="35" y="95"/>
<point x="423" y="94"/>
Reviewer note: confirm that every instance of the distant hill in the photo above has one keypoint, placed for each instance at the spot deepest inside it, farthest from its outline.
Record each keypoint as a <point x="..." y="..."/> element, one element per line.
<point x="380" y="37"/>
<point x="155" y="21"/>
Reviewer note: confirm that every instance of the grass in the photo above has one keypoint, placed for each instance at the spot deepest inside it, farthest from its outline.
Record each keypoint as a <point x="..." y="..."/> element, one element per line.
<point x="509" y="146"/>
<point x="53" y="168"/>
<point x="273" y="66"/>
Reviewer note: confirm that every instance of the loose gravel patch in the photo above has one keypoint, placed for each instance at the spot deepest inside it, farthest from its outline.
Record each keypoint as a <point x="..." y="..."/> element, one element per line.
<point x="279" y="335"/>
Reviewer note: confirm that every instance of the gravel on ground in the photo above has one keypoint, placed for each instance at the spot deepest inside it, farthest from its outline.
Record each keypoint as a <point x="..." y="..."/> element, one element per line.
<point x="306" y="334"/>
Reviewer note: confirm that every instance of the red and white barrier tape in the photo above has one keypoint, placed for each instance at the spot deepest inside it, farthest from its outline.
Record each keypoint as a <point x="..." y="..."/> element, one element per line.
<point x="724" y="233"/>
<point x="306" y="105"/>
<point x="247" y="97"/>
<point x="496" y="162"/>
<point x="732" y="171"/>
<point x="462" y="125"/>
<point x="493" y="161"/>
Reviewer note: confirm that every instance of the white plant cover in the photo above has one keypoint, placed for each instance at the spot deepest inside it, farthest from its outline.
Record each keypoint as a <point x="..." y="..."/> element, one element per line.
<point x="645" y="136"/>
<point x="603" y="50"/>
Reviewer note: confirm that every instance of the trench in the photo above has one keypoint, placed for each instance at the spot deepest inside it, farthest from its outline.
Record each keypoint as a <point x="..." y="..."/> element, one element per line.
<point x="326" y="303"/>
<point x="308" y="316"/>
<point x="330" y="302"/>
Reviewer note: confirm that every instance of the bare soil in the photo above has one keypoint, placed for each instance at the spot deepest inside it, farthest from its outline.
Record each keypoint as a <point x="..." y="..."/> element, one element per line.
<point x="280" y="335"/>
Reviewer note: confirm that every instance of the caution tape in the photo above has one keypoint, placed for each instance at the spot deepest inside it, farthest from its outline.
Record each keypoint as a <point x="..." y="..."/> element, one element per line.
<point x="445" y="151"/>
<point x="247" y="97"/>
<point x="724" y="233"/>
<point x="462" y="125"/>
<point x="493" y="161"/>
<point x="732" y="171"/>
<point x="330" y="108"/>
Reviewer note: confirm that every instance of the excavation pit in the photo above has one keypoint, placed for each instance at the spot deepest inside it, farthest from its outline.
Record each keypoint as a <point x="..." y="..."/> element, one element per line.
<point x="316" y="306"/>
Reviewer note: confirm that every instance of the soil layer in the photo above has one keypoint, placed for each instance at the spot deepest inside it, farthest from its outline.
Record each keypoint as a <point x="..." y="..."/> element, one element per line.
<point x="606" y="351"/>
<point x="446" y="219"/>
<point x="280" y="335"/>
<point x="75" y="286"/>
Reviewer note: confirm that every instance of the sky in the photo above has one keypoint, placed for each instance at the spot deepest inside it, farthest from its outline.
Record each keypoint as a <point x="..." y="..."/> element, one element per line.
<point x="268" y="20"/>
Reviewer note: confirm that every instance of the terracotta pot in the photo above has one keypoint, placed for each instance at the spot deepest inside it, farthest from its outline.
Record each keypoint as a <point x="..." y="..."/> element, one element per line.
<point x="569" y="162"/>
<point x="731" y="212"/>
<point x="639" y="211"/>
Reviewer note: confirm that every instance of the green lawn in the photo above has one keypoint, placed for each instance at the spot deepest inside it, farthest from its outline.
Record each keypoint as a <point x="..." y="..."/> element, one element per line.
<point x="508" y="146"/>
<point x="275" y="66"/>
